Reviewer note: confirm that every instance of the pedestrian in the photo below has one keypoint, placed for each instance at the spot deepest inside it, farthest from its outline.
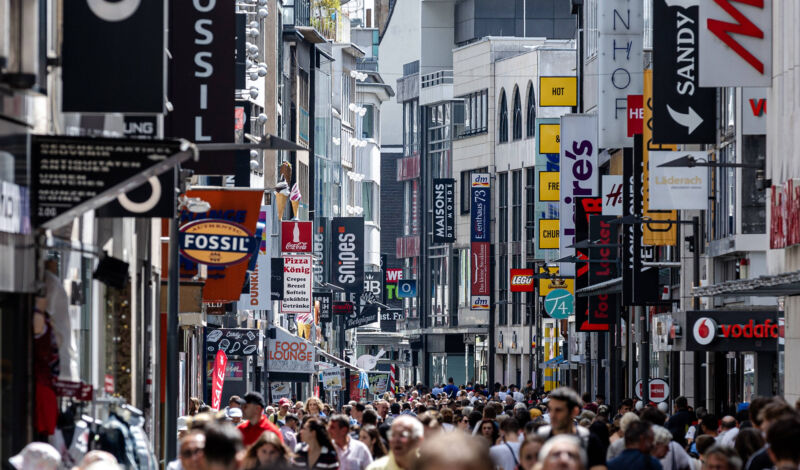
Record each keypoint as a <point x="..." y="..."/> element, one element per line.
<point x="284" y="407"/>
<point x="448" y="417"/>
<point x="268" y="452"/>
<point x="722" y="458"/>
<point x="235" y="415"/>
<point x="316" y="451"/>
<point x="313" y="408"/>
<point x="671" y="455"/>
<point x="489" y="431"/>
<point x="450" y="389"/>
<point x="95" y="458"/>
<point x="194" y="405"/>
<point x="783" y="437"/>
<point x="748" y="441"/>
<point x="625" y="406"/>
<point x="289" y="431"/>
<point x="436" y="453"/>
<point x="223" y="446"/>
<point x="372" y="439"/>
<point x="529" y="452"/>
<point x="563" y="407"/>
<point x="36" y="456"/>
<point x="505" y="455"/>
<point x="255" y="421"/>
<point x="618" y="439"/>
<point x="405" y="437"/>
<point x="191" y="454"/>
<point x="729" y="430"/>
<point x="353" y="454"/>
<point x="638" y="446"/>
<point x="563" y="452"/>
<point x="680" y="421"/>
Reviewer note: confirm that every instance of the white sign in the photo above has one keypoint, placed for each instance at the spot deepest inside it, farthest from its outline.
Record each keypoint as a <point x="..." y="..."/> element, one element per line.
<point x="579" y="177"/>
<point x="332" y="379"/>
<point x="735" y="43"/>
<point x="620" y="26"/>
<point x="296" y="284"/>
<point x="290" y="353"/>
<point x="281" y="390"/>
<point x="14" y="209"/>
<point x="659" y="390"/>
<point x="612" y="194"/>
<point x="677" y="187"/>
<point x="259" y="297"/>
<point x="754" y="111"/>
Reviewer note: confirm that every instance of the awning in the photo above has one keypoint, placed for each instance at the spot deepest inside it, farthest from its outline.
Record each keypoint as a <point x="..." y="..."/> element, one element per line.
<point x="336" y="360"/>
<point x="785" y="284"/>
<point x="612" y="286"/>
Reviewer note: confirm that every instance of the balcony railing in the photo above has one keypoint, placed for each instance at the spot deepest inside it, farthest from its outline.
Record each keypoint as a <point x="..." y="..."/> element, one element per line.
<point x="332" y="24"/>
<point x="297" y="13"/>
<point x="440" y="77"/>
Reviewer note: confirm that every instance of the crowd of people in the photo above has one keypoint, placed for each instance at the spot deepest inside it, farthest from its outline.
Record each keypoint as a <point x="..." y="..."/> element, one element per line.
<point x="469" y="428"/>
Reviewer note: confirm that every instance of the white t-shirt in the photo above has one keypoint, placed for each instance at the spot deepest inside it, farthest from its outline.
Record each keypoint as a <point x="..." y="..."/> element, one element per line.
<point x="356" y="456"/>
<point x="505" y="455"/>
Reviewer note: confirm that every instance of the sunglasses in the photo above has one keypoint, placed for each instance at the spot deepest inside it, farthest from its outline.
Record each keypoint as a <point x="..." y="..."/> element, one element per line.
<point x="189" y="453"/>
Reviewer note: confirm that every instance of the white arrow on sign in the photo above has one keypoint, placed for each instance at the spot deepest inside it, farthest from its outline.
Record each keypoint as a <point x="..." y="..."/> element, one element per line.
<point x="681" y="3"/>
<point x="690" y="120"/>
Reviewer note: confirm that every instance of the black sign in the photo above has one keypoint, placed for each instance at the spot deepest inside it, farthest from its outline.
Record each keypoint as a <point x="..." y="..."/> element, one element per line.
<point x="72" y="170"/>
<point x="232" y="341"/>
<point x="343" y="308"/>
<point x="347" y="253"/>
<point x="113" y="57"/>
<point x="152" y="199"/>
<point x="323" y="303"/>
<point x="276" y="281"/>
<point x="389" y="319"/>
<point x="318" y="245"/>
<point x="202" y="79"/>
<point x="683" y="112"/>
<point x="368" y="314"/>
<point x="732" y="330"/>
<point x="603" y="308"/>
<point x="373" y="285"/>
<point x="444" y="210"/>
<point x="584" y="208"/>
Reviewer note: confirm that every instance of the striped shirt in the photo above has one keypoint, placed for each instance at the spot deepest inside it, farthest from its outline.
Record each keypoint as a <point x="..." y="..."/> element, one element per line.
<point x="327" y="458"/>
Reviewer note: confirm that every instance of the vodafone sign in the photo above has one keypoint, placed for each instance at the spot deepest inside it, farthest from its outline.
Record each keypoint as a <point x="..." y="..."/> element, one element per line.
<point x="733" y="330"/>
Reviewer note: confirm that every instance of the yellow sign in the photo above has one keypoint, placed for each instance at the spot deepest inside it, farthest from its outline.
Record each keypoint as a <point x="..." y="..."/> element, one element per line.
<point x="558" y="91"/>
<point x="216" y="242"/>
<point x="653" y="233"/>
<point x="548" y="186"/>
<point x="546" y="285"/>
<point x="548" y="234"/>
<point x="549" y="138"/>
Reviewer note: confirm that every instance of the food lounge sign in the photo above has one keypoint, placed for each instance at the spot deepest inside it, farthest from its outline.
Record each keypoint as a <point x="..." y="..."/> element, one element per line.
<point x="289" y="353"/>
<point x="718" y="330"/>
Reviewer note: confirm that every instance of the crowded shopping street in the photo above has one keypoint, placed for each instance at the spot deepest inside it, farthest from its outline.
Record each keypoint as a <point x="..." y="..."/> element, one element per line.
<point x="399" y="234"/>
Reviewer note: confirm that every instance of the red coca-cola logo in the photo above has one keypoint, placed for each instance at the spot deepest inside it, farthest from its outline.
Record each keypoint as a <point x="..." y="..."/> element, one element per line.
<point x="296" y="236"/>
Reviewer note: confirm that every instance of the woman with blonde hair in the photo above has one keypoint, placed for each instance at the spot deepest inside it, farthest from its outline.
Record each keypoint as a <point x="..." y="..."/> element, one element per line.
<point x="313" y="407"/>
<point x="267" y="452"/>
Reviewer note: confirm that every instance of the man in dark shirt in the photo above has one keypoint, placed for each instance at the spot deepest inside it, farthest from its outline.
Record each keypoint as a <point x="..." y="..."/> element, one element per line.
<point x="679" y="422"/>
<point x="638" y="445"/>
<point x="451" y="390"/>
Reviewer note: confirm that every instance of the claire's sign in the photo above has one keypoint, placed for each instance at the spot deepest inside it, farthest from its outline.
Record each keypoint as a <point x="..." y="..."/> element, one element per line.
<point x="216" y="242"/>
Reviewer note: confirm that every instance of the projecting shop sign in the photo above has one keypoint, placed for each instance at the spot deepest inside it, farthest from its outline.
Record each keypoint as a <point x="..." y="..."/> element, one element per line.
<point x="444" y="210"/>
<point x="480" y="199"/>
<point x="296" y="284"/>
<point x="232" y="341"/>
<point x="290" y="353"/>
<point x="677" y="187"/>
<point x="347" y="253"/>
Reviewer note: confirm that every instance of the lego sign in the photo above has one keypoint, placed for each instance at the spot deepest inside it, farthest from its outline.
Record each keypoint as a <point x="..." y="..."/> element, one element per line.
<point x="521" y="280"/>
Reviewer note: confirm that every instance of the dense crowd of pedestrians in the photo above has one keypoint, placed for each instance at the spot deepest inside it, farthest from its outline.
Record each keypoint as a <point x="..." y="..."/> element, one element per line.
<point x="469" y="428"/>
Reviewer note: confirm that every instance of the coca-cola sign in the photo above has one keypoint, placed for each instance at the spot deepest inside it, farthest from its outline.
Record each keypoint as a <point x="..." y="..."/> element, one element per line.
<point x="296" y="236"/>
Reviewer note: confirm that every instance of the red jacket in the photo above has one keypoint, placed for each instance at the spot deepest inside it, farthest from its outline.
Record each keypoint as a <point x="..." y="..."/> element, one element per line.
<point x="251" y="433"/>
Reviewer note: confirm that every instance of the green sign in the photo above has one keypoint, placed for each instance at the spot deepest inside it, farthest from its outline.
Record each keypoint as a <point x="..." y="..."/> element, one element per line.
<point x="559" y="304"/>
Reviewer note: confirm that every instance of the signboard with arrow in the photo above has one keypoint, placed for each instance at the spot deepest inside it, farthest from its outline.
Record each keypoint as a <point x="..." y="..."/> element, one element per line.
<point x="683" y="112"/>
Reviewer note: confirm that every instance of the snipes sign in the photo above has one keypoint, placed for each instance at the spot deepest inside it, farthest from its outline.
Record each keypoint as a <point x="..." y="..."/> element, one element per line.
<point x="733" y="330"/>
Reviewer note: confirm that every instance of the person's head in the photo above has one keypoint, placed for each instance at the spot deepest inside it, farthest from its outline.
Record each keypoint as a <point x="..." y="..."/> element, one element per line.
<point x="783" y="437"/>
<point x="357" y="411"/>
<point x="447" y="415"/>
<point x="681" y="403"/>
<point x="564" y="406"/>
<point x="626" y="406"/>
<point x="747" y="442"/>
<point x="369" y="416"/>
<point x="488" y="430"/>
<point x="267" y="451"/>
<point x="235" y="415"/>
<point x="509" y="429"/>
<point x="432" y="422"/>
<point x="599" y="399"/>
<point x="405" y="435"/>
<point x="223" y="447"/>
<point x="313" y="406"/>
<point x="253" y="406"/>
<point x="772" y="412"/>
<point x="395" y="408"/>
<point x="382" y="407"/>
<point x="235" y="401"/>
<point x="639" y="435"/>
<point x="728" y="423"/>
<point x="756" y="405"/>
<point x="708" y="424"/>
<point x="339" y="428"/>
<point x="291" y="420"/>
<point x="721" y="458"/>
<point x="314" y="433"/>
<point x="36" y="456"/>
<point x="563" y="452"/>
<point x="370" y="436"/>
<point x="473" y="454"/>
<point x="703" y="443"/>
<point x="194" y="405"/>
<point x="653" y="416"/>
<point x="192" y="450"/>
<point x="450" y="381"/>
<point x="661" y="439"/>
<point x="529" y="451"/>
<point x="284" y="404"/>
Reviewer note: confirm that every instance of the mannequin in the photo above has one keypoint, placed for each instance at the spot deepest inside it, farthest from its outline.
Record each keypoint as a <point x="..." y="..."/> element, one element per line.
<point x="58" y="308"/>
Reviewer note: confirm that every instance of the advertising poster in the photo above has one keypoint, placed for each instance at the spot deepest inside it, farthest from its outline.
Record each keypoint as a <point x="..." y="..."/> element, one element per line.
<point x="347" y="253"/>
<point x="259" y="296"/>
<point x="296" y="284"/>
<point x="289" y="353"/>
<point x="332" y="379"/>
<point x="480" y="236"/>
<point x="444" y="210"/>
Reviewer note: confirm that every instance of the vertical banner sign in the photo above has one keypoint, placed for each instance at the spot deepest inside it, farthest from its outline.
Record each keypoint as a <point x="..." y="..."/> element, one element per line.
<point x="296" y="284"/>
<point x="683" y="112"/>
<point x="585" y="207"/>
<point x="202" y="79"/>
<point x="480" y="238"/>
<point x="319" y="245"/>
<point x="122" y="42"/>
<point x="546" y="215"/>
<point x="218" y="378"/>
<point x="620" y="26"/>
<point x="259" y="297"/>
<point x="373" y="285"/>
<point x="635" y="115"/>
<point x="347" y="253"/>
<point x="603" y="308"/>
<point x="637" y="285"/>
<point x="579" y="176"/>
<point x="276" y="279"/>
<point x="736" y="43"/>
<point x="444" y="210"/>
<point x="657" y="234"/>
<point x="611" y="192"/>
<point x="390" y="297"/>
<point x="323" y="306"/>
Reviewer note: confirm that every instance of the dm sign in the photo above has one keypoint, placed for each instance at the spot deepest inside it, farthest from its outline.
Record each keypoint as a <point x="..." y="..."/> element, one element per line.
<point x="216" y="242"/>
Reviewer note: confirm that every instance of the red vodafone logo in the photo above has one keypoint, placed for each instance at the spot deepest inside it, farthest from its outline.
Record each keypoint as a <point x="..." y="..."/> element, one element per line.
<point x="704" y="330"/>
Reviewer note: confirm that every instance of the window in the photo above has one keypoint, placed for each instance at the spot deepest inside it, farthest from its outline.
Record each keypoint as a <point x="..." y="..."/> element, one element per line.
<point x="530" y="119"/>
<point x="370" y="194"/>
<point x="516" y="205"/>
<point x="516" y="297"/>
<point x="530" y="200"/>
<point x="503" y="294"/>
<point x="410" y="138"/>
<point x="592" y="34"/>
<point x="368" y="122"/>
<point x="475" y="121"/>
<point x="502" y="127"/>
<point x="466" y="187"/>
<point x="517" y="117"/>
<point x="502" y="210"/>
<point x="754" y="215"/>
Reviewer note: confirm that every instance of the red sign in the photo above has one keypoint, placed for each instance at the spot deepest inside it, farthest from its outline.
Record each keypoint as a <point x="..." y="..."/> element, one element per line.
<point x="635" y="114"/>
<point x="479" y="279"/>
<point x="78" y="390"/>
<point x="343" y="308"/>
<point x="218" y="379"/>
<point x="522" y="280"/>
<point x="659" y="390"/>
<point x="108" y="384"/>
<point x="296" y="236"/>
<point x="785" y="215"/>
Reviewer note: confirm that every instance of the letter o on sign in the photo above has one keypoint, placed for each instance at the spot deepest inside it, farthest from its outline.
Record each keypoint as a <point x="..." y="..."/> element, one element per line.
<point x="113" y="11"/>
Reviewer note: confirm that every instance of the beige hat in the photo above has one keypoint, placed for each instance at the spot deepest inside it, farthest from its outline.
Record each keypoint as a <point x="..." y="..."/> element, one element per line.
<point x="36" y="456"/>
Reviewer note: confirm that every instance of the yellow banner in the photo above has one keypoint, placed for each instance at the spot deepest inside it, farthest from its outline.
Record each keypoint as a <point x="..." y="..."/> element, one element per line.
<point x="653" y="233"/>
<point x="548" y="234"/>
<point x="558" y="91"/>
<point x="549" y="138"/>
<point x="547" y="285"/>
<point x="548" y="186"/>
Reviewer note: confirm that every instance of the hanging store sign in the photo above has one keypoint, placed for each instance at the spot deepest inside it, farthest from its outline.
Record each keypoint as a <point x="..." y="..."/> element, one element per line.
<point x="216" y="242"/>
<point x="579" y="177"/>
<point x="480" y="199"/>
<point x="296" y="284"/>
<point x="635" y="115"/>
<point x="347" y="253"/>
<point x="202" y="79"/>
<point x="233" y="341"/>
<point x="318" y="248"/>
<point x="407" y="288"/>
<point x="586" y="207"/>
<point x="122" y="44"/>
<point x="218" y="379"/>
<point x="559" y="304"/>
<point x="603" y="308"/>
<point x="547" y="285"/>
<point x="479" y="278"/>
<point x="290" y="353"/>
<point x="391" y="297"/>
<point x="548" y="234"/>
<point x="677" y="187"/>
<point x="735" y="43"/>
<point x="323" y="306"/>
<point x="369" y="314"/>
<point x="343" y="308"/>
<point x="683" y="112"/>
<point x="332" y="379"/>
<point x="558" y="91"/>
<point x="620" y="26"/>
<point x="549" y="137"/>
<point x="276" y="279"/>
<point x="296" y="236"/>
<point x="638" y="286"/>
<point x="521" y="280"/>
<point x="546" y="213"/>
<point x="444" y="210"/>
<point x="15" y="211"/>
<point x="548" y="185"/>
<point x="612" y="194"/>
<point x="754" y="111"/>
<point x="659" y="390"/>
<point x="73" y="170"/>
<point x="373" y="285"/>
<point x="732" y="330"/>
<point x="259" y="274"/>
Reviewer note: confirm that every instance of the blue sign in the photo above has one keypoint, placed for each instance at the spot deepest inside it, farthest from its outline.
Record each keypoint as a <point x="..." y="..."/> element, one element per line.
<point x="479" y="207"/>
<point x="559" y="304"/>
<point x="406" y="288"/>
